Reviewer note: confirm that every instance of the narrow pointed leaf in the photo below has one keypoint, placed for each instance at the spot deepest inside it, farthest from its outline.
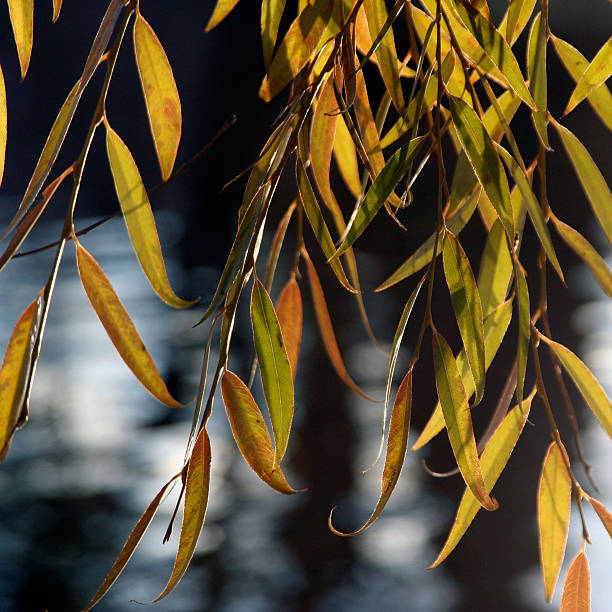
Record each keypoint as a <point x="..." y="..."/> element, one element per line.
<point x="196" y="500"/>
<point x="554" y="497"/>
<point x="289" y="313"/>
<point x="467" y="307"/>
<point x="274" y="366"/>
<point x="495" y="270"/>
<point x="15" y="370"/>
<point x="583" y="248"/>
<point x="128" y="548"/>
<point x="22" y="20"/>
<point x="605" y="516"/>
<point x="518" y="14"/>
<point x="57" y="7"/>
<point x="459" y="421"/>
<point x="536" y="71"/>
<point x="139" y="218"/>
<point x="487" y="166"/>
<point x="596" y="73"/>
<point x="577" y="588"/>
<point x="493" y="461"/>
<point x="593" y="183"/>
<point x="587" y="384"/>
<point x="346" y="158"/>
<point x="251" y="433"/>
<point x="3" y="124"/>
<point x="119" y="326"/>
<point x="222" y="9"/>
<point x="271" y="13"/>
<point x="160" y="93"/>
<point x="524" y="328"/>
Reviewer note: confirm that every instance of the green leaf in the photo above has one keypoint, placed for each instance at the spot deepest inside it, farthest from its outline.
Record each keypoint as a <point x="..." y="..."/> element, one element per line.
<point x="536" y="71"/>
<point x="119" y="326"/>
<point x="289" y="313"/>
<point x="467" y="307"/>
<point x="596" y="73"/>
<point x="197" y="484"/>
<point x="274" y="366"/>
<point x="15" y="371"/>
<point x="480" y="151"/>
<point x="271" y="13"/>
<point x="458" y="420"/>
<point x="493" y="461"/>
<point x="554" y="497"/>
<point x="222" y="9"/>
<point x="587" y="384"/>
<point x="577" y="587"/>
<point x="251" y="433"/>
<point x="524" y="328"/>
<point x="590" y="177"/>
<point x="495" y="271"/>
<point x="160" y="93"/>
<point x="139" y="218"/>
<point x="22" y="19"/>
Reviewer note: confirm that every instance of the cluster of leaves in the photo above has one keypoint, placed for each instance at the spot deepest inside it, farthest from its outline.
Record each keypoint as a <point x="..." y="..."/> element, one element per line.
<point x="439" y="106"/>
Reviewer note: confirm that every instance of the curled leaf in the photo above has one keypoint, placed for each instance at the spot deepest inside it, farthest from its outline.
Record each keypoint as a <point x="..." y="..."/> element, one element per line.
<point x="22" y="20"/>
<point x="577" y="588"/>
<point x="289" y="313"/>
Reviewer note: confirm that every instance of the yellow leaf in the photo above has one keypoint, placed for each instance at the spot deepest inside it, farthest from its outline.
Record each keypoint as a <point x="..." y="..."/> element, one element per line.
<point x="22" y="20"/>
<point x="271" y="13"/>
<point x="516" y="19"/>
<point x="554" y="497"/>
<point x="196" y="500"/>
<point x="289" y="313"/>
<point x="160" y="93"/>
<point x="139" y="218"/>
<point x="119" y="326"/>
<point x="3" y="124"/>
<point x="222" y="9"/>
<point x="605" y="516"/>
<point x="251" y="433"/>
<point x="346" y="158"/>
<point x="495" y="270"/>
<point x="15" y="371"/>
<point x="57" y="7"/>
<point x="577" y="588"/>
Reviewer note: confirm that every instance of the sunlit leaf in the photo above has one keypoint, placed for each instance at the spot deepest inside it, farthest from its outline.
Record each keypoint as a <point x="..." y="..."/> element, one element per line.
<point x="251" y="433"/>
<point x="222" y="9"/>
<point x="492" y="462"/>
<point x="397" y="444"/>
<point x="495" y="270"/>
<point x="367" y="125"/>
<point x="15" y="371"/>
<point x="583" y="248"/>
<point x="274" y="366"/>
<point x="22" y="20"/>
<point x="57" y="7"/>
<point x="605" y="516"/>
<point x="458" y="420"/>
<point x="196" y="500"/>
<point x="160" y="93"/>
<point x="289" y="313"/>
<point x="467" y="307"/>
<point x="587" y="384"/>
<point x="554" y="497"/>
<point x="129" y="547"/>
<point x="3" y="124"/>
<point x="577" y="588"/>
<point x="139" y="218"/>
<point x="524" y="328"/>
<point x="518" y="14"/>
<point x="346" y="158"/>
<point x="596" y="73"/>
<point x="327" y="329"/>
<point x="576" y="64"/>
<point x="119" y="326"/>
<point x="536" y="71"/>
<point x="271" y="13"/>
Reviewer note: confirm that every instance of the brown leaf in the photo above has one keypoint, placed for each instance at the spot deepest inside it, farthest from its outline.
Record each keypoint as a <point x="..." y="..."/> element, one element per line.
<point x="577" y="588"/>
<point x="289" y="313"/>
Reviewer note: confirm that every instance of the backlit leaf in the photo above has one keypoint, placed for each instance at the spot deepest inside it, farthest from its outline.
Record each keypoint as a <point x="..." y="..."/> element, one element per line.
<point x="587" y="384"/>
<point x="222" y="9"/>
<point x="577" y="588"/>
<point x="596" y="73"/>
<point x="492" y="462"/>
<point x="536" y="71"/>
<point x="524" y="328"/>
<point x="495" y="270"/>
<point x="160" y="93"/>
<point x="467" y="307"/>
<point x="346" y="158"/>
<point x="605" y="516"/>
<point x="518" y="14"/>
<point x="139" y="218"/>
<point x="57" y="7"/>
<point x="251" y="433"/>
<point x="3" y="124"/>
<point x="590" y="177"/>
<point x="274" y="366"/>
<point x="22" y="20"/>
<point x="271" y="13"/>
<point x="15" y="371"/>
<point x="458" y="420"/>
<point x="196" y="500"/>
<point x="554" y="497"/>
<point x="367" y="125"/>
<point x="119" y="326"/>
<point x="289" y="313"/>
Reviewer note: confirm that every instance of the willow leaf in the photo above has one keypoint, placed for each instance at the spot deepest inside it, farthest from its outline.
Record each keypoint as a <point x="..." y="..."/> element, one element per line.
<point x="467" y="306"/>
<point x="196" y="500"/>
<point x="274" y="366"/>
<point x="139" y="218"/>
<point x="251" y="433"/>
<point x="577" y="588"/>
<point x="458" y="420"/>
<point x="587" y="384"/>
<point x="222" y="9"/>
<point x="3" y="124"/>
<point x="605" y="516"/>
<point x="554" y="497"/>
<point x="495" y="270"/>
<point x="596" y="73"/>
<point x="289" y="313"/>
<point x="367" y="126"/>
<point x="22" y="20"/>
<point x="346" y="158"/>
<point x="590" y="177"/>
<point x="160" y="93"/>
<point x="15" y="370"/>
<point x="583" y="248"/>
<point x="536" y="71"/>
<point x="57" y="7"/>
<point x="271" y="13"/>
<point x="119" y="326"/>
<point x="493" y="461"/>
<point x="524" y="328"/>
<point x="518" y="13"/>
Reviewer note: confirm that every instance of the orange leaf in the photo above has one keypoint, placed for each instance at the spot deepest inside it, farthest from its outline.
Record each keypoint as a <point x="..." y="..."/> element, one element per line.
<point x="57" y="7"/>
<point x="577" y="587"/>
<point x="289" y="313"/>
<point x="119" y="326"/>
<point x="605" y="516"/>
